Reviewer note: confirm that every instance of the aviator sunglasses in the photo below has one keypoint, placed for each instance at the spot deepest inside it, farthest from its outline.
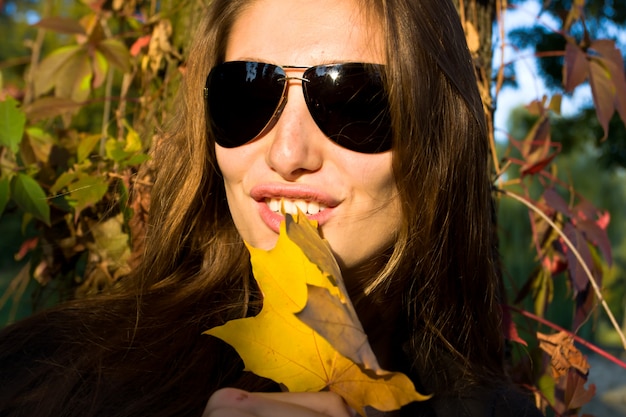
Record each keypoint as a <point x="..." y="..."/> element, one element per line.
<point x="347" y="101"/>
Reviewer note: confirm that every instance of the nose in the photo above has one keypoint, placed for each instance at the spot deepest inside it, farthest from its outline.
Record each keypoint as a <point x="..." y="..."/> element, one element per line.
<point x="296" y="142"/>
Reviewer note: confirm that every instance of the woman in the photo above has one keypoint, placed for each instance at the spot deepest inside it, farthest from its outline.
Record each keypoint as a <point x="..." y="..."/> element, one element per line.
<point x="404" y="203"/>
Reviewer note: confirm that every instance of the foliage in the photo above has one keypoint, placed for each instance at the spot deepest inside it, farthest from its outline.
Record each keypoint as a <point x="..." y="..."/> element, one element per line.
<point x="567" y="234"/>
<point x="77" y="127"/>
<point x="601" y="20"/>
<point x="83" y="91"/>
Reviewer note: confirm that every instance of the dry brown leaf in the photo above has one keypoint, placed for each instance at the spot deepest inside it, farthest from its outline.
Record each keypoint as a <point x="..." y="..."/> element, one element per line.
<point x="564" y="355"/>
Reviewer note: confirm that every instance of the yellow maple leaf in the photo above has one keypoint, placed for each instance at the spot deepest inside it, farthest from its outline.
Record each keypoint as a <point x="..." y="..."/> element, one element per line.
<point x="301" y="282"/>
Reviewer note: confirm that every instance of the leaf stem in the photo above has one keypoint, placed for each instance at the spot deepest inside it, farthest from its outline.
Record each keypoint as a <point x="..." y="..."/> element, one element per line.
<point x="575" y="252"/>
<point x="29" y="90"/>
<point x="577" y="338"/>
<point x="106" y="112"/>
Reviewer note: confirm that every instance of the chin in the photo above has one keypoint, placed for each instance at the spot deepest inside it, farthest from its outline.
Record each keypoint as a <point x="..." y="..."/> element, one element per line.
<point x="263" y="242"/>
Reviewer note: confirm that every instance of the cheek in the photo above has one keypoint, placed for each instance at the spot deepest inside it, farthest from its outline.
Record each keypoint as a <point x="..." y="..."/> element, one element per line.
<point x="232" y="172"/>
<point x="235" y="164"/>
<point x="376" y="206"/>
<point x="376" y="176"/>
<point x="380" y="187"/>
<point x="227" y="164"/>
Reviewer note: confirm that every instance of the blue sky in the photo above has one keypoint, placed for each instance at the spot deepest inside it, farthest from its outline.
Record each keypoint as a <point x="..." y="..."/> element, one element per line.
<point x="530" y="83"/>
<point x="31" y="16"/>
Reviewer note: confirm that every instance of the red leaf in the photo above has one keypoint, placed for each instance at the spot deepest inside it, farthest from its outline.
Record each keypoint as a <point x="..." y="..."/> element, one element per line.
<point x="536" y="148"/>
<point x="140" y="43"/>
<point x="538" y="137"/>
<point x="554" y="264"/>
<point x="603" y="91"/>
<point x="575" y="393"/>
<point x="530" y="169"/>
<point x="554" y="200"/>
<point x="606" y="48"/>
<point x="576" y="68"/>
<point x="603" y="220"/>
<point x="585" y="210"/>
<point x="615" y="64"/>
<point x="598" y="236"/>
<point x="585" y="304"/>
<point x="27" y="246"/>
<point x="578" y="276"/>
<point x="509" y="327"/>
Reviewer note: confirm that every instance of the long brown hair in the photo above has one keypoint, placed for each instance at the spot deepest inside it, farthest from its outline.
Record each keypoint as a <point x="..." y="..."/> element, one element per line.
<point x="141" y="352"/>
<point x="445" y="257"/>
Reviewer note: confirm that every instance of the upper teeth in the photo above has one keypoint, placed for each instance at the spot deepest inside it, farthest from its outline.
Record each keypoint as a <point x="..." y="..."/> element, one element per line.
<point x="291" y="206"/>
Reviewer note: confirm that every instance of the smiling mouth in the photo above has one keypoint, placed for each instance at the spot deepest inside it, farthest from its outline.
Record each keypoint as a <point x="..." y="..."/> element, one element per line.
<point x="291" y="206"/>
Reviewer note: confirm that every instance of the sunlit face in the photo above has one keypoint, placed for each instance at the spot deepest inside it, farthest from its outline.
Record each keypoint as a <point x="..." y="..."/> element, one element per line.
<point x="352" y="195"/>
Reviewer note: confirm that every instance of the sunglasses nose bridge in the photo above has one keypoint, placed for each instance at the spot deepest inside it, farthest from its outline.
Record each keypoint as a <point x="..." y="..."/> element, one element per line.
<point x="294" y="141"/>
<point x="288" y="78"/>
<point x="284" y="98"/>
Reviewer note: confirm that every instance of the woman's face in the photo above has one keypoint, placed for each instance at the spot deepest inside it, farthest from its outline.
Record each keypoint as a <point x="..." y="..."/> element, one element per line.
<point x="352" y="195"/>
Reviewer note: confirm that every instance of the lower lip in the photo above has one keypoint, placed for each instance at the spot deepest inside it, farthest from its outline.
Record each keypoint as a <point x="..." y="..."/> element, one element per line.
<point x="273" y="219"/>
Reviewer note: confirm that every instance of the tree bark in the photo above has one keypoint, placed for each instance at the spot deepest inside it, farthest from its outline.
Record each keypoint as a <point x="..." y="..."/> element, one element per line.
<point x="477" y="18"/>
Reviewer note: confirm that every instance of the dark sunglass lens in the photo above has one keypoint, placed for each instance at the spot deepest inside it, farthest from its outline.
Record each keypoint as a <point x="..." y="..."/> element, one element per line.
<point x="349" y="104"/>
<point x="241" y="98"/>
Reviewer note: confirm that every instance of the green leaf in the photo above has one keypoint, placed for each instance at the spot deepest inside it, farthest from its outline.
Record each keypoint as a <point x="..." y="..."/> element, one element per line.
<point x="124" y="206"/>
<point x="73" y="79"/>
<point x="30" y="197"/>
<point x="555" y="104"/>
<point x="41" y="143"/>
<point x="111" y="242"/>
<point x="12" y="121"/>
<point x="115" y="150"/>
<point x="51" y="68"/>
<point x="82" y="88"/>
<point x="86" y="145"/>
<point x="543" y="291"/>
<point x="126" y="152"/>
<point x="546" y="385"/>
<point x="62" y="181"/>
<point x="133" y="141"/>
<point x="5" y="193"/>
<point x="116" y="52"/>
<point x="26" y="219"/>
<point x="136" y="160"/>
<point x="100" y="69"/>
<point x="87" y="191"/>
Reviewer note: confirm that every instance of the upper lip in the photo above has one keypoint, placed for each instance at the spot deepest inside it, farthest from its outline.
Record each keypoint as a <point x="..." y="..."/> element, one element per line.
<point x="299" y="192"/>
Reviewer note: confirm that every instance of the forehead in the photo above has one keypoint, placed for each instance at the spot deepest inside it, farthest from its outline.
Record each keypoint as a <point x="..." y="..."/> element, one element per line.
<point x="306" y="32"/>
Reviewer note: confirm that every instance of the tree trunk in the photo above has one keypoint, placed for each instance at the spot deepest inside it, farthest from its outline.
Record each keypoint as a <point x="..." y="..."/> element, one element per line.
<point x="477" y="17"/>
